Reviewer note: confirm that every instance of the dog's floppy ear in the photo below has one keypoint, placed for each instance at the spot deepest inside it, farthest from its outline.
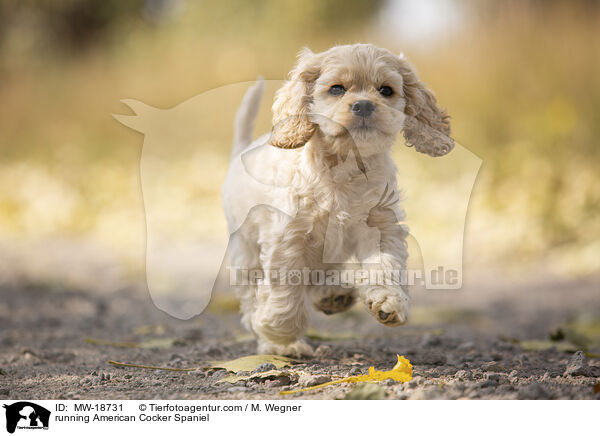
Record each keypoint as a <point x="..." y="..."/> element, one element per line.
<point x="427" y="127"/>
<point x="292" y="127"/>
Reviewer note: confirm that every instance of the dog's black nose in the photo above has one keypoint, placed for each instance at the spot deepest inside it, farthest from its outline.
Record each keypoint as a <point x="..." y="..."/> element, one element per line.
<point x="363" y="108"/>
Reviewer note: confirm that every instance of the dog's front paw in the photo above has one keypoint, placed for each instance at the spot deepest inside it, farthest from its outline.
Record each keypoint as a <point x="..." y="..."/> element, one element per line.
<point x="296" y="349"/>
<point x="333" y="299"/>
<point x="389" y="307"/>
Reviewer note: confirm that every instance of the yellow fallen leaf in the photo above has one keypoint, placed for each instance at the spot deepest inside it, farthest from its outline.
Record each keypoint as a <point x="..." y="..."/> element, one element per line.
<point x="249" y="363"/>
<point x="402" y="372"/>
<point x="150" y="343"/>
<point x="150" y="329"/>
<point x="111" y="343"/>
<point x="161" y="368"/>
<point x="536" y="345"/>
<point x="274" y="373"/>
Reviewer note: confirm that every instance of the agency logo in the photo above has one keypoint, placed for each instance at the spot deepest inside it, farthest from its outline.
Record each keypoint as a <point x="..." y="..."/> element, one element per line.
<point x="26" y="415"/>
<point x="182" y="167"/>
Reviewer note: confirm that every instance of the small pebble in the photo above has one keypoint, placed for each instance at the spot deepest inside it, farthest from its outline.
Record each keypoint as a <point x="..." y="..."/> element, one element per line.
<point x="577" y="365"/>
<point x="282" y="380"/>
<point x="308" y="380"/>
<point x="264" y="367"/>
<point x="464" y="375"/>
<point x="219" y="373"/>
<point x="493" y="367"/>
<point x="493" y="376"/>
<point x="416" y="381"/>
<point x="355" y="371"/>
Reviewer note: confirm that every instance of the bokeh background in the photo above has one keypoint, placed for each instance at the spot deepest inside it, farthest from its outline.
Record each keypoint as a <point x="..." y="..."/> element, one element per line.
<point x="521" y="80"/>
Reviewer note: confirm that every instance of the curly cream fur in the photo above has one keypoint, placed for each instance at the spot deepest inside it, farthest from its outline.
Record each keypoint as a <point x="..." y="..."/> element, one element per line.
<point x="427" y="127"/>
<point x="292" y="127"/>
<point x="331" y="184"/>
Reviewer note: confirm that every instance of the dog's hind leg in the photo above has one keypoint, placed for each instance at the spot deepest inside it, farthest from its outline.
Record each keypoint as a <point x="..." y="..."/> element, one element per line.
<point x="243" y="254"/>
<point x="280" y="320"/>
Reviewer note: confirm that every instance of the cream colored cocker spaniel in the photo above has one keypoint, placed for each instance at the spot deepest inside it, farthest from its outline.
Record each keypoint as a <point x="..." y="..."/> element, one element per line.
<point x="326" y="167"/>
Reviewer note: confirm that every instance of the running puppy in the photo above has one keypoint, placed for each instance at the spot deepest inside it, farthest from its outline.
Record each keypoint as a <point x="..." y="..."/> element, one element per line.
<point x="327" y="164"/>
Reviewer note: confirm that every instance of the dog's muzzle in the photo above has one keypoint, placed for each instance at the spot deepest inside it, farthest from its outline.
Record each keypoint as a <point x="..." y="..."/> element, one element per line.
<point x="362" y="108"/>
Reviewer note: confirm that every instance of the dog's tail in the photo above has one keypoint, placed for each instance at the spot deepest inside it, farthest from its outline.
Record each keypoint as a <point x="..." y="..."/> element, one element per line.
<point x="243" y="126"/>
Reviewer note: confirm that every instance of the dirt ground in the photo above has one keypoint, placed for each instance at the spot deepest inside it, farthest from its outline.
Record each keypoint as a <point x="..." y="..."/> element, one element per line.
<point x="472" y="343"/>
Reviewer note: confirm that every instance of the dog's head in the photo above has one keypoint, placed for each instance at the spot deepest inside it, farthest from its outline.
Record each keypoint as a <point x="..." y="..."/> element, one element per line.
<point x="361" y="90"/>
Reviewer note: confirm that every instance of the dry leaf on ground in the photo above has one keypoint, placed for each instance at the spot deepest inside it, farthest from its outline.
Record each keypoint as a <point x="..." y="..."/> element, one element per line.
<point x="401" y="372"/>
<point x="249" y="363"/>
<point x="149" y="343"/>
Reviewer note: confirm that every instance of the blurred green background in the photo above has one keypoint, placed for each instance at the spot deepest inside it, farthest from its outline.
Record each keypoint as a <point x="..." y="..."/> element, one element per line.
<point x="521" y="80"/>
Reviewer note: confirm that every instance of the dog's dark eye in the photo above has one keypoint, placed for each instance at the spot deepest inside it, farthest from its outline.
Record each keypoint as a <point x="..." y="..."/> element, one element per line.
<point x="386" y="91"/>
<point x="337" y="90"/>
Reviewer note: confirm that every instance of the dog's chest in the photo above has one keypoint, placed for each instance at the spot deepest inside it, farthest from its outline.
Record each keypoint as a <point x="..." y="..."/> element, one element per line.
<point x="344" y="199"/>
<point x="354" y="194"/>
